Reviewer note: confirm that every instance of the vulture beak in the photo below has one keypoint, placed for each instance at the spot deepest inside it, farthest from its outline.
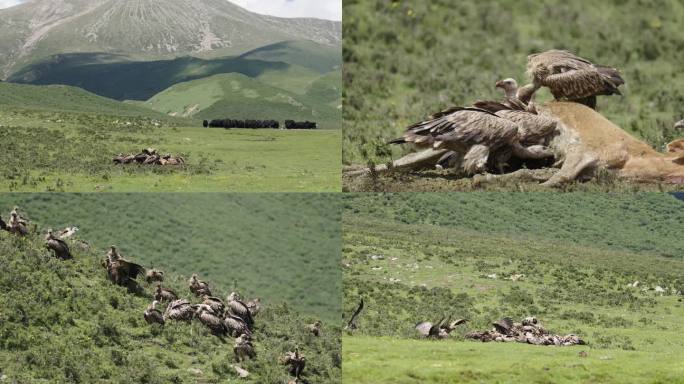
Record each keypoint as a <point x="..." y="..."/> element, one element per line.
<point x="499" y="84"/>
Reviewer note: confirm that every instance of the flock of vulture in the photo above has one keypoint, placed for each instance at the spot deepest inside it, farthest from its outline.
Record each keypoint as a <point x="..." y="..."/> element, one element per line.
<point x="494" y="135"/>
<point x="148" y="156"/>
<point x="529" y="331"/>
<point x="230" y="318"/>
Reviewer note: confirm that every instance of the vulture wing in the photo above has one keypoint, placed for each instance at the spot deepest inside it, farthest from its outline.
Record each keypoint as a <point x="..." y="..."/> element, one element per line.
<point x="424" y="328"/>
<point x="131" y="269"/>
<point x="3" y="225"/>
<point x="579" y="84"/>
<point x="458" y="322"/>
<point x="504" y="325"/>
<point x="352" y="321"/>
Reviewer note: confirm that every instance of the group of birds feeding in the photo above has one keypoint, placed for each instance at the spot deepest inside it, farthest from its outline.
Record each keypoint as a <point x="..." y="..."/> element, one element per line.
<point x="234" y="317"/>
<point x="148" y="156"/>
<point x="529" y="330"/>
<point x="489" y="134"/>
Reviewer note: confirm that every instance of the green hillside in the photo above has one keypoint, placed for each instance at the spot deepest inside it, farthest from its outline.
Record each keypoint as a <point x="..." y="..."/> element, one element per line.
<point x="64" y="322"/>
<point x="308" y="54"/>
<point x="277" y="246"/>
<point x="421" y="257"/>
<point x="67" y="99"/>
<point x="404" y="60"/>
<point x="241" y="97"/>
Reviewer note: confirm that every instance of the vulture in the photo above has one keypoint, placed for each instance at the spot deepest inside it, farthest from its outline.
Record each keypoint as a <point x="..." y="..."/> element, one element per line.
<point x="207" y="317"/>
<point x="440" y="330"/>
<point x="164" y="294"/>
<point x="254" y="306"/>
<point x="119" y="270"/>
<point x="470" y="135"/>
<point x="3" y="225"/>
<point x="315" y="328"/>
<point x="235" y="325"/>
<point x="679" y="124"/>
<point x="296" y="361"/>
<point x="58" y="246"/>
<point x="179" y="310"/>
<point x="504" y="326"/>
<point x="214" y="303"/>
<point x="352" y="323"/>
<point x="17" y="225"/>
<point x="243" y="348"/>
<point x="198" y="287"/>
<point x="153" y="315"/>
<point x="532" y="127"/>
<point x="67" y="232"/>
<point x="154" y="275"/>
<point x="239" y="309"/>
<point x="570" y="77"/>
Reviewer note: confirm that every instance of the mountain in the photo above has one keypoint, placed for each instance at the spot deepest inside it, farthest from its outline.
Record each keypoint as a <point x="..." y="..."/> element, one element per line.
<point x="64" y="322"/>
<point x="238" y="96"/>
<point x="119" y="77"/>
<point x="145" y="29"/>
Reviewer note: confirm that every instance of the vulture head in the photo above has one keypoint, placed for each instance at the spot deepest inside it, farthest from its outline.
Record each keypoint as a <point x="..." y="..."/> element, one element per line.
<point x="530" y="321"/>
<point x="510" y="87"/>
<point x="233" y="296"/>
<point x="679" y="124"/>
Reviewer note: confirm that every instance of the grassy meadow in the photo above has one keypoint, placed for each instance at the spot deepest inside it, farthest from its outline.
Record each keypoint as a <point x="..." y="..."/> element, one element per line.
<point x="64" y="322"/>
<point x="55" y="150"/>
<point x="284" y="248"/>
<point x="419" y="257"/>
<point x="404" y="60"/>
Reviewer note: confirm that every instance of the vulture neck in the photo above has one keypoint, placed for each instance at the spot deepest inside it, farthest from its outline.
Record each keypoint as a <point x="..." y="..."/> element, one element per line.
<point x="511" y="93"/>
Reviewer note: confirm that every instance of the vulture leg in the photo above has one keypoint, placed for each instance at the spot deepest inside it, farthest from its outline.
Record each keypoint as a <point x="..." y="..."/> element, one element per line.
<point x="532" y="152"/>
<point x="521" y="175"/>
<point x="576" y="162"/>
<point x="410" y="161"/>
<point x="475" y="160"/>
<point x="450" y="159"/>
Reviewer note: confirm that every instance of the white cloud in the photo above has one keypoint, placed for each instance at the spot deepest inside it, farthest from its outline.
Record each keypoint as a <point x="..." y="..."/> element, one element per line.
<point x="9" y="3"/>
<point x="322" y="9"/>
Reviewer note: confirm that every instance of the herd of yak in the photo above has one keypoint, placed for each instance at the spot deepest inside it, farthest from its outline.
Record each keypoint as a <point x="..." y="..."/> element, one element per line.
<point x="528" y="331"/>
<point x="258" y="124"/>
<point x="230" y="318"/>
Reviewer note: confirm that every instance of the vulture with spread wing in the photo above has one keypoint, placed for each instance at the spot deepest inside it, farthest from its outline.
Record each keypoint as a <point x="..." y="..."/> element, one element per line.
<point x="440" y="330"/>
<point x="119" y="270"/>
<point x="352" y="323"/>
<point x="570" y="77"/>
<point x="504" y="326"/>
<point x="58" y="246"/>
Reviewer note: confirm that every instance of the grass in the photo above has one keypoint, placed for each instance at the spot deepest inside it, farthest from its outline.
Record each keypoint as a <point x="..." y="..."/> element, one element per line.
<point x="62" y="151"/>
<point x="241" y="97"/>
<point x="277" y="246"/>
<point x="62" y="321"/>
<point x="578" y="253"/>
<point x="404" y="60"/>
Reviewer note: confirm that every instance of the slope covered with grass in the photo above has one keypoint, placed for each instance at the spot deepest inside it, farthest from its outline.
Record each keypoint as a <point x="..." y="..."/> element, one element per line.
<point x="278" y="246"/>
<point x="421" y="257"/>
<point x="241" y="97"/>
<point x="62" y="321"/>
<point x="404" y="60"/>
<point x="60" y="151"/>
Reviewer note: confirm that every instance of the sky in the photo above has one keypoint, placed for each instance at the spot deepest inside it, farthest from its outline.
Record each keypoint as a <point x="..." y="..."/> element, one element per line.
<point x="322" y="9"/>
<point x="8" y="3"/>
